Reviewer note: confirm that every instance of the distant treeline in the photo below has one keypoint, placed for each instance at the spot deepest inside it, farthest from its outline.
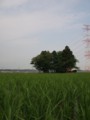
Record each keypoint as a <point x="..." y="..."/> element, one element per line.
<point x="19" y="70"/>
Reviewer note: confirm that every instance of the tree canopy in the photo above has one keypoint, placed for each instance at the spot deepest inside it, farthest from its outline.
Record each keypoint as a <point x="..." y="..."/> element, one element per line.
<point x="61" y="61"/>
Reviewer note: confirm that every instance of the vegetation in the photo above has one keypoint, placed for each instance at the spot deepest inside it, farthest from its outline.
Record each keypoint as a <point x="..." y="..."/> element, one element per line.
<point x="61" y="61"/>
<point x="26" y="96"/>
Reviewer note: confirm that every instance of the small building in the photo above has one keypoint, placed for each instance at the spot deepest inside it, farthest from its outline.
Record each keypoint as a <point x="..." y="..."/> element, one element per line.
<point x="74" y="70"/>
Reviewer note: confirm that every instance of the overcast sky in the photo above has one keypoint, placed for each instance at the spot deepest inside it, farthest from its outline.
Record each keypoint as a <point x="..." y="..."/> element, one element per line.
<point x="29" y="26"/>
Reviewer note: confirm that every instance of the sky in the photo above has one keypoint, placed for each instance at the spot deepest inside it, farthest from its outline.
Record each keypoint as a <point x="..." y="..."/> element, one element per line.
<point x="29" y="26"/>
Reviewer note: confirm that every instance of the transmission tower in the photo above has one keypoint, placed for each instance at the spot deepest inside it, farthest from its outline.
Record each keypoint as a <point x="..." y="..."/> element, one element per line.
<point x="87" y="47"/>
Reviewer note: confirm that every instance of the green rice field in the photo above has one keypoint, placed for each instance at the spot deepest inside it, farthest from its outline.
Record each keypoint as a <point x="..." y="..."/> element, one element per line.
<point x="27" y="96"/>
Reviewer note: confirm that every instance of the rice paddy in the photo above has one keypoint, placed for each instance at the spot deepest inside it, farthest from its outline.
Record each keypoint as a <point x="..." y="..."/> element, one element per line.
<point x="27" y="96"/>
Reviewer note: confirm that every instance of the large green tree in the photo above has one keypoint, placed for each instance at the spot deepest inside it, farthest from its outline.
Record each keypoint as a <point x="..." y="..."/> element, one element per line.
<point x="68" y="60"/>
<point x="42" y="62"/>
<point x="61" y="61"/>
<point x="56" y="65"/>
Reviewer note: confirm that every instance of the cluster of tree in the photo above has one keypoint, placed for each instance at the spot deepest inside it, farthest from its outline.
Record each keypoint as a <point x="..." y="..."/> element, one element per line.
<point x="61" y="61"/>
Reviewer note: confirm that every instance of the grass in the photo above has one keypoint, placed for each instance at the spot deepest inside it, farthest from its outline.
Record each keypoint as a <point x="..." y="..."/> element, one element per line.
<point x="25" y="96"/>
